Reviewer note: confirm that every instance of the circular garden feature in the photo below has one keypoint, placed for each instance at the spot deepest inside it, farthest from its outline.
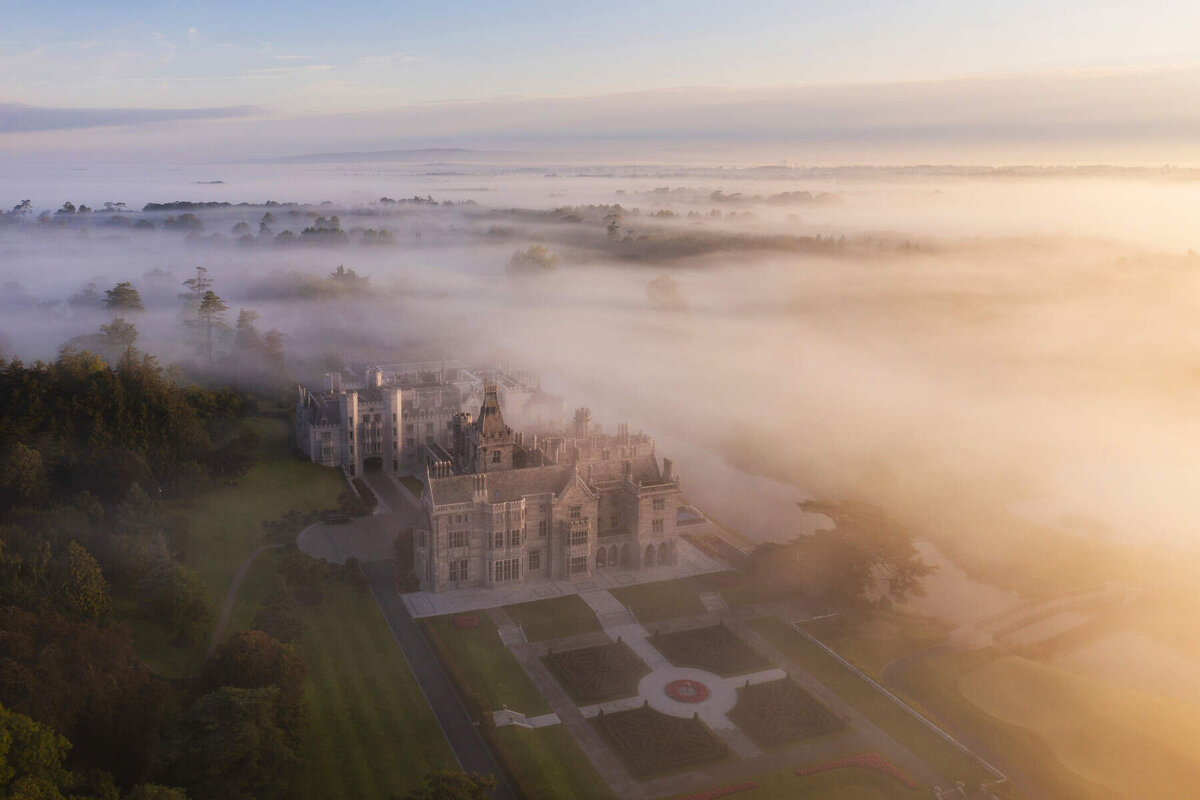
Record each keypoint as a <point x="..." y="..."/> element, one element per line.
<point x="687" y="691"/>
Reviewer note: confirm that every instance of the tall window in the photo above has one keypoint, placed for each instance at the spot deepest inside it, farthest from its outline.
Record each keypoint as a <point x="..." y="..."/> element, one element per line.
<point x="499" y="538"/>
<point x="657" y="526"/>
<point x="495" y="456"/>
<point x="514" y="538"/>
<point x="616" y="520"/>
<point x="579" y="536"/>
<point x="659" y="503"/>
<point x="576" y="512"/>
<point x="458" y="570"/>
<point x="542" y="528"/>
<point x="535" y="559"/>
<point x="458" y="538"/>
<point x="579" y="564"/>
<point x="508" y="569"/>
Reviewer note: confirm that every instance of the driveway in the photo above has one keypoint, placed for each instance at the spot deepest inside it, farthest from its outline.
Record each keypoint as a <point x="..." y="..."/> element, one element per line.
<point x="365" y="538"/>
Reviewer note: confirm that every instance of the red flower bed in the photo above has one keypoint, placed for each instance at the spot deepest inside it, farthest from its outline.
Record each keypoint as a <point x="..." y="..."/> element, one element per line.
<point x="866" y="761"/>
<point x="466" y="621"/>
<point x="686" y="691"/>
<point x="712" y="794"/>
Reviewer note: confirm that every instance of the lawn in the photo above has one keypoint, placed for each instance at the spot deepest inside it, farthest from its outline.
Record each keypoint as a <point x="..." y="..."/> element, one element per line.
<point x="651" y="602"/>
<point x="225" y="526"/>
<point x="1133" y="744"/>
<point x="840" y="784"/>
<point x="554" y="618"/>
<point x="940" y="756"/>
<point x="226" y="522"/>
<point x="548" y="763"/>
<point x="485" y="665"/>
<point x="890" y="635"/>
<point x="372" y="732"/>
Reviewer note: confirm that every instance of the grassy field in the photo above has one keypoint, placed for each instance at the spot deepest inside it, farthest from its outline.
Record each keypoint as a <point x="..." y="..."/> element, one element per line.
<point x="414" y="485"/>
<point x="890" y="635"/>
<point x="554" y="618"/>
<point x="651" y="602"/>
<point x="486" y="665"/>
<point x="1130" y="743"/>
<point x="944" y="759"/>
<point x="372" y="732"/>
<point x="226" y="523"/>
<point x="840" y="784"/>
<point x="548" y="763"/>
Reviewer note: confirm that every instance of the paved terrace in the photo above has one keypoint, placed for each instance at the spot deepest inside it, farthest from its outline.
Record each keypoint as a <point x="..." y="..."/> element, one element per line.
<point x="690" y="562"/>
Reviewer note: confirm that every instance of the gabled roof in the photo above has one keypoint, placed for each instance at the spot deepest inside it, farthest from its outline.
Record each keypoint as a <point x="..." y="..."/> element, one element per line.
<point x="491" y="421"/>
<point x="503" y="486"/>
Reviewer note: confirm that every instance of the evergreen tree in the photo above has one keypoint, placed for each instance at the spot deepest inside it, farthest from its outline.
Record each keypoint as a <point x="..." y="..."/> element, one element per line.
<point x="211" y="314"/>
<point x="123" y="297"/>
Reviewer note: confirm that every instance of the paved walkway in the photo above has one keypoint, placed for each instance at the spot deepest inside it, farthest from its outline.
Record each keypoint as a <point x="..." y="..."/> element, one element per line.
<point x="690" y="561"/>
<point x="460" y="730"/>
<point x="231" y="598"/>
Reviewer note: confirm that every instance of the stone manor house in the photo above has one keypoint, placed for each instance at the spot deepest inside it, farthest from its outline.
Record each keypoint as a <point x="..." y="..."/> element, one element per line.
<point x="503" y="506"/>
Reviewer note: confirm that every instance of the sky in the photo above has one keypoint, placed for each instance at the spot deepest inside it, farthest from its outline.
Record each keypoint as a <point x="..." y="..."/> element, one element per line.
<point x="171" y="69"/>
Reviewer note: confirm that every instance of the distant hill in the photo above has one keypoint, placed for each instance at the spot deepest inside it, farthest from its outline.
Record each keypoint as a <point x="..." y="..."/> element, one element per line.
<point x="426" y="155"/>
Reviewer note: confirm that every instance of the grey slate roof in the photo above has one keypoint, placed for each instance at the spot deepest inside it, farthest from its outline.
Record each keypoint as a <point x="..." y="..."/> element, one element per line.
<point x="503" y="486"/>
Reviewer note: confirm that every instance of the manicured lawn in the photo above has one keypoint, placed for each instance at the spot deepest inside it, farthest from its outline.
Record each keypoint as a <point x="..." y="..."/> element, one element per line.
<point x="841" y="784"/>
<point x="944" y="759"/>
<point x="226" y="522"/>
<point x="372" y="733"/>
<point x="554" y="618"/>
<point x="549" y="763"/>
<point x="224" y="526"/>
<point x="487" y="667"/>
<point x="888" y="637"/>
<point x="1132" y="743"/>
<point x="651" y="602"/>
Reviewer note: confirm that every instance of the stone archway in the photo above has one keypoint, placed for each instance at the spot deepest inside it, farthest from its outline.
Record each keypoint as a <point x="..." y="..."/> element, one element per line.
<point x="612" y="556"/>
<point x="601" y="558"/>
<point x="663" y="557"/>
<point x="625" y="557"/>
<point x="648" y="556"/>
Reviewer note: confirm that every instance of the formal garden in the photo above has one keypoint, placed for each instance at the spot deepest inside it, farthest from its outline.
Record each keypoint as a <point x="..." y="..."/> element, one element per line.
<point x="652" y="743"/>
<point x="713" y="648"/>
<point x="780" y="712"/>
<point x="599" y="673"/>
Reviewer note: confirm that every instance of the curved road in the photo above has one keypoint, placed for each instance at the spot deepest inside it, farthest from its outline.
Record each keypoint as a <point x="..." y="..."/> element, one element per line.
<point x="231" y="597"/>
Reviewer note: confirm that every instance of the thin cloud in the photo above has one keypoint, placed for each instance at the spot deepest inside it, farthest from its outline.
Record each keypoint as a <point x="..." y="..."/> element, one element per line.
<point x="20" y="118"/>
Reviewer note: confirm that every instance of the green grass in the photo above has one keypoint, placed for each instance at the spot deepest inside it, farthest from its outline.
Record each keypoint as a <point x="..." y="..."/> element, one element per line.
<point x="937" y="754"/>
<point x="852" y="783"/>
<point x="226" y="522"/>
<point x="554" y="618"/>
<point x="651" y="602"/>
<point x="889" y="636"/>
<point x="487" y="667"/>
<point x="225" y="526"/>
<point x="372" y="732"/>
<point x="414" y="485"/>
<point x="548" y="763"/>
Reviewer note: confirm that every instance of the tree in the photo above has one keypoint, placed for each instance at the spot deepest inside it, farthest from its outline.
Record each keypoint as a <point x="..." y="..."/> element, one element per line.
<point x="241" y="228"/>
<point x="118" y="336"/>
<point x="123" y="297"/>
<point x="253" y="660"/>
<point x="86" y="297"/>
<point x="84" y="589"/>
<point x="230" y="745"/>
<point x="153" y="791"/>
<point x="67" y="208"/>
<point x="272" y="349"/>
<point x="536" y="258"/>
<point x="211" y="313"/>
<point x="277" y="615"/>
<point x="446" y="784"/>
<point x="23" y="473"/>
<point x="246" y="335"/>
<point x="31" y="759"/>
<point x="867" y="560"/>
<point x="196" y="287"/>
<point x="183" y="601"/>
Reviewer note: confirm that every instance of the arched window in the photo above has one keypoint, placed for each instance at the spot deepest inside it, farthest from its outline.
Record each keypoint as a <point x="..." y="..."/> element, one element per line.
<point x="662" y="553"/>
<point x="648" y="557"/>
<point x="601" y="558"/>
<point x="612" y="556"/>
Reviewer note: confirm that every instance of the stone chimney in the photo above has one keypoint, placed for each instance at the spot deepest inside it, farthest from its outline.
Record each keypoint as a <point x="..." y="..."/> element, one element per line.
<point x="480" y="485"/>
<point x="374" y="377"/>
<point x="333" y="381"/>
<point x="667" y="475"/>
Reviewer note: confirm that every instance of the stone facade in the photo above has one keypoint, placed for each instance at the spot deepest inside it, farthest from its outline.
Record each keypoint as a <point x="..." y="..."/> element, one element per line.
<point x="501" y="508"/>
<point x="401" y="409"/>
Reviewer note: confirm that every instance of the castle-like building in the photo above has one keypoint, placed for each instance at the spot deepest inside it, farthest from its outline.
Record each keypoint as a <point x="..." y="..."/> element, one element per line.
<point x="388" y="419"/>
<point x="503" y="508"/>
<point x="501" y="505"/>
